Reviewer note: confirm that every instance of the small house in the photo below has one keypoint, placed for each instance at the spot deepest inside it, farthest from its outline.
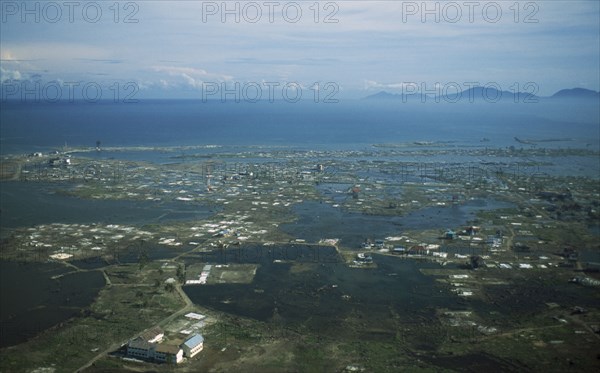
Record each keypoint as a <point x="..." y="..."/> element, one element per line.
<point x="363" y="257"/>
<point x="418" y="250"/>
<point x="399" y="250"/>
<point x="472" y="230"/>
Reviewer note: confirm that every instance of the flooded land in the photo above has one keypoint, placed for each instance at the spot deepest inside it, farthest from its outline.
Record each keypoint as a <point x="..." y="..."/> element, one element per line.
<point x="431" y="256"/>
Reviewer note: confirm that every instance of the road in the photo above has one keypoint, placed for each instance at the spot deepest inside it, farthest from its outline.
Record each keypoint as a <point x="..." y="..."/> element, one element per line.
<point x="189" y="306"/>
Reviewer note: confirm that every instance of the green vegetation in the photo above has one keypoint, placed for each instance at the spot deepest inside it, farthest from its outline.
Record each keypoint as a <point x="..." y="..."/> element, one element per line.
<point x="119" y="312"/>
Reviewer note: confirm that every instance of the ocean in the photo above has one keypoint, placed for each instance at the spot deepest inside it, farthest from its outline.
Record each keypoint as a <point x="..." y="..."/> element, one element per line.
<point x="29" y="127"/>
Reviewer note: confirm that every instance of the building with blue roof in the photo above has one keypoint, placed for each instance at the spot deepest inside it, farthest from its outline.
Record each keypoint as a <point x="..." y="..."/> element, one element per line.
<point x="193" y="345"/>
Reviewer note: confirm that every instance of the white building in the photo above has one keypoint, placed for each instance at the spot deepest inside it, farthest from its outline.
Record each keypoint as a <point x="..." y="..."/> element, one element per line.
<point x="168" y="354"/>
<point x="161" y="353"/>
<point x="193" y="345"/>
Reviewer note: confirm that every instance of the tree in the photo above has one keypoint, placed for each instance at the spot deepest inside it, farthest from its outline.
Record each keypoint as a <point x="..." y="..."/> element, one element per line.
<point x="180" y="273"/>
<point x="170" y="287"/>
<point x="142" y="259"/>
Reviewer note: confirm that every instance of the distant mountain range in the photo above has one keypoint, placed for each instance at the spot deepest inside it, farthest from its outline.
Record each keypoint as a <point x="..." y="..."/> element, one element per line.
<point x="487" y="94"/>
<point x="576" y="93"/>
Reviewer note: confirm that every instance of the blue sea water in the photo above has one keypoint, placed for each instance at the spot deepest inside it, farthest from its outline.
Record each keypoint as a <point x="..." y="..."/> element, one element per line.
<point x="28" y="127"/>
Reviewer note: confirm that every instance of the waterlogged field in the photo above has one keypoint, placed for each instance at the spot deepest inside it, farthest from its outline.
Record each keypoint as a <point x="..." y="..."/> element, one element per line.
<point x="299" y="186"/>
<point x="329" y="260"/>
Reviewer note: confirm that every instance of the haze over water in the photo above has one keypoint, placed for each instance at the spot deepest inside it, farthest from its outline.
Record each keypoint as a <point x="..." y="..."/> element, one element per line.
<point x="28" y="127"/>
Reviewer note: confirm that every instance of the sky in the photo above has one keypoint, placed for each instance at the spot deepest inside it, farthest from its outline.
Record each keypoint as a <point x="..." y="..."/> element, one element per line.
<point x="336" y="49"/>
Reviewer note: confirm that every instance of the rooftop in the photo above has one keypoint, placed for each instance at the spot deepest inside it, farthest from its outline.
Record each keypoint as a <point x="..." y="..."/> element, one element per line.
<point x="143" y="345"/>
<point x="194" y="341"/>
<point x="151" y="333"/>
<point x="167" y="349"/>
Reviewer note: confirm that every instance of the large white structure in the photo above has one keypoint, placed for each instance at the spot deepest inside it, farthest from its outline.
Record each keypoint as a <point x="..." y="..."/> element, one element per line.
<point x="168" y="354"/>
<point x="140" y="349"/>
<point x="193" y="345"/>
<point x="161" y="353"/>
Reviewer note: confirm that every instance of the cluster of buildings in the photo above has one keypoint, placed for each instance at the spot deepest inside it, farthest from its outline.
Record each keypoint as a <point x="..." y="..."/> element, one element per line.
<point x="148" y="347"/>
<point x="468" y="231"/>
<point x="379" y="244"/>
<point x="421" y="250"/>
<point x="362" y="258"/>
<point x="55" y="160"/>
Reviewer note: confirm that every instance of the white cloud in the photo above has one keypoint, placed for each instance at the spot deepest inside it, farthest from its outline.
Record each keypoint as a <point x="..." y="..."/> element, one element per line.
<point x="57" y="51"/>
<point x="371" y="47"/>
<point x="371" y="84"/>
<point x="6" y="74"/>
<point x="191" y="76"/>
